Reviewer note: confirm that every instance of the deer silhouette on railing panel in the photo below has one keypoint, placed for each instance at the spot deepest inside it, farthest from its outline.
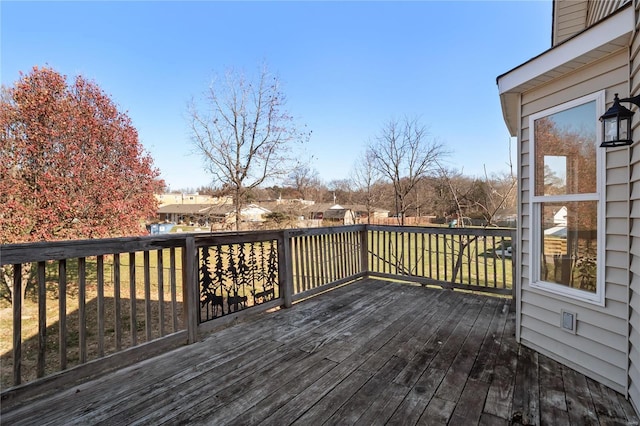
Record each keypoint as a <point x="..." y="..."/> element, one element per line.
<point x="233" y="277"/>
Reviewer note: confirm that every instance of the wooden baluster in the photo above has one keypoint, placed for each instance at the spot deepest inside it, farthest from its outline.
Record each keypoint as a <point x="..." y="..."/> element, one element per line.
<point x="147" y="297"/>
<point x="173" y="285"/>
<point x="133" y="320"/>
<point x="116" y="301"/>
<point x="62" y="312"/>
<point x="100" y="282"/>
<point x="42" y="319"/>
<point x="161" y="310"/>
<point x="82" y="311"/>
<point x="16" y="301"/>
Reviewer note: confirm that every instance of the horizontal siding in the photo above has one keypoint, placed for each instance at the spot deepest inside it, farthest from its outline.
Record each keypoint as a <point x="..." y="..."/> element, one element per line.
<point x="606" y="373"/>
<point x="587" y="328"/>
<point x="634" y="345"/>
<point x="582" y="348"/>
<point x="618" y="275"/>
<point x="570" y="17"/>
<point x="599" y="349"/>
<point x="615" y="291"/>
<point x="600" y="316"/>
<point x="618" y="209"/>
<point x="633" y="154"/>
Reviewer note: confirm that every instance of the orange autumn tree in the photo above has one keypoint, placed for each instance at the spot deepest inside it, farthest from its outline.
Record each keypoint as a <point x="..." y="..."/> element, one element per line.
<point x="71" y="164"/>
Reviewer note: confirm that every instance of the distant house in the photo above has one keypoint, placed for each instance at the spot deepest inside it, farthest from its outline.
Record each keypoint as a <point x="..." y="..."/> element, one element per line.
<point x="195" y="198"/>
<point x="339" y="216"/>
<point x="292" y="208"/>
<point x="578" y="240"/>
<point x="207" y="214"/>
<point x="362" y="215"/>
<point x="185" y="213"/>
<point x="254" y="213"/>
<point x="331" y="214"/>
<point x="560" y="217"/>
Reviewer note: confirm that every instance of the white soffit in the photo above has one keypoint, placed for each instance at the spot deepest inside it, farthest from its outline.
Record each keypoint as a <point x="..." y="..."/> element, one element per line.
<point x="595" y="43"/>
<point x="602" y="39"/>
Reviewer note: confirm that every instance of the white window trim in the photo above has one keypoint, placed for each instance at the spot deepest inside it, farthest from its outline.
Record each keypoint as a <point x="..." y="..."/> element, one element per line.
<point x="534" y="213"/>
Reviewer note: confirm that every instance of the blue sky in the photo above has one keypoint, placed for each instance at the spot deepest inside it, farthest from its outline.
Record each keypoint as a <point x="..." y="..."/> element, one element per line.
<point x="347" y="68"/>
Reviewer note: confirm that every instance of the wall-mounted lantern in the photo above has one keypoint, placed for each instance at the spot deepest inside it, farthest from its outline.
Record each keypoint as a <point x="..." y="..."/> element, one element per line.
<point x="616" y="123"/>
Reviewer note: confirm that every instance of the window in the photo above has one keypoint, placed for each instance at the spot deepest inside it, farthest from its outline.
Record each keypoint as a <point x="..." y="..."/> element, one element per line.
<point x="566" y="203"/>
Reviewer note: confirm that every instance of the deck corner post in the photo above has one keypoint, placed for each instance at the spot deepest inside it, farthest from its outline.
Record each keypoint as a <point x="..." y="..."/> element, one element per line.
<point x="364" y="251"/>
<point x="285" y="275"/>
<point x="190" y="288"/>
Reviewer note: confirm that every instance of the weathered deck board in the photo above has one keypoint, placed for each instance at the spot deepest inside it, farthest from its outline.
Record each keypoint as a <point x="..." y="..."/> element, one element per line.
<point x="368" y="353"/>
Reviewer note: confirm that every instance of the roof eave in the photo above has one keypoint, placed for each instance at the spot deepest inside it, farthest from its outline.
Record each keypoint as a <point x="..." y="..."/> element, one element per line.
<point x="592" y="44"/>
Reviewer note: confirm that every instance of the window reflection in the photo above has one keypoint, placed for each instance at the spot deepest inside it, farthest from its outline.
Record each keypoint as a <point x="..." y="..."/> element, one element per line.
<point x="569" y="244"/>
<point x="565" y="152"/>
<point x="555" y="174"/>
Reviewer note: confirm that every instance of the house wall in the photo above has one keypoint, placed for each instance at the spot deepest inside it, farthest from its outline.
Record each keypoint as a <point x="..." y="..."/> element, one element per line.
<point x="600" y="9"/>
<point x="572" y="16"/>
<point x="599" y="348"/>
<point x="569" y="18"/>
<point x="634" y="199"/>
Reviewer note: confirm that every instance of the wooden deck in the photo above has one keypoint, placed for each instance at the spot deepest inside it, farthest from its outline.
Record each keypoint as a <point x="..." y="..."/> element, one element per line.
<point x="372" y="352"/>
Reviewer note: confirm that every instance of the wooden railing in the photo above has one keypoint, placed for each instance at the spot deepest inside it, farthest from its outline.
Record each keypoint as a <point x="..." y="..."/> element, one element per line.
<point x="322" y="258"/>
<point x="77" y="302"/>
<point x="465" y="258"/>
<point x="116" y="301"/>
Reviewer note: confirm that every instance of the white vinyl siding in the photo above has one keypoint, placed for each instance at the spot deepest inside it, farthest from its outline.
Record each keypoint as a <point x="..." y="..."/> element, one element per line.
<point x="599" y="348"/>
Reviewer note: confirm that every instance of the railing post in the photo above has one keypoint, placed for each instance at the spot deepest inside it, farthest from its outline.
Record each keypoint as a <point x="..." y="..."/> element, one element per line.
<point x="364" y="251"/>
<point x="514" y="278"/>
<point x="285" y="270"/>
<point x="190" y="288"/>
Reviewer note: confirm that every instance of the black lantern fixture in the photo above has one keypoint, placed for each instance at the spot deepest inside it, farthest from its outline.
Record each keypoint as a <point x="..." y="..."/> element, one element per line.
<point x="616" y="123"/>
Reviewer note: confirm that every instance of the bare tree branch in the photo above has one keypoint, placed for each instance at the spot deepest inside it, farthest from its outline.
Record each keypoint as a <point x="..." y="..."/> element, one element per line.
<point x="242" y="134"/>
<point x="404" y="154"/>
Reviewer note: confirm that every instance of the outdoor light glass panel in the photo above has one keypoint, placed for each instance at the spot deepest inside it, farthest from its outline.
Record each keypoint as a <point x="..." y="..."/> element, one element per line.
<point x="616" y="129"/>
<point x="616" y="124"/>
<point x="610" y="129"/>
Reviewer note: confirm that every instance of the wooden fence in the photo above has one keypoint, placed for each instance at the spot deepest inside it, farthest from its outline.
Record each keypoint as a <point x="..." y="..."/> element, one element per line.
<point x="116" y="301"/>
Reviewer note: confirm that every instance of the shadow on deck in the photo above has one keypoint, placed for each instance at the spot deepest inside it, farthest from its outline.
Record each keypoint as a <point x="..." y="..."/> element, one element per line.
<point x="372" y="352"/>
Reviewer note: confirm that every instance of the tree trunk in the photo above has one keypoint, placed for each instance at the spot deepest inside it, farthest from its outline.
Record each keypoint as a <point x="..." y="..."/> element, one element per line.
<point x="238" y="207"/>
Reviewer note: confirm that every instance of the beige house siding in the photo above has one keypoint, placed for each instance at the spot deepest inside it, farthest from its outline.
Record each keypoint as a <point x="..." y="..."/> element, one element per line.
<point x="599" y="348"/>
<point x="569" y="18"/>
<point x="572" y="16"/>
<point x="634" y="213"/>
<point x="600" y="9"/>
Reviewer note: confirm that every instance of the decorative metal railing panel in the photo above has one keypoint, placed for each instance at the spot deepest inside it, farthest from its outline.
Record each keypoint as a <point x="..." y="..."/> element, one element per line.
<point x="235" y="276"/>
